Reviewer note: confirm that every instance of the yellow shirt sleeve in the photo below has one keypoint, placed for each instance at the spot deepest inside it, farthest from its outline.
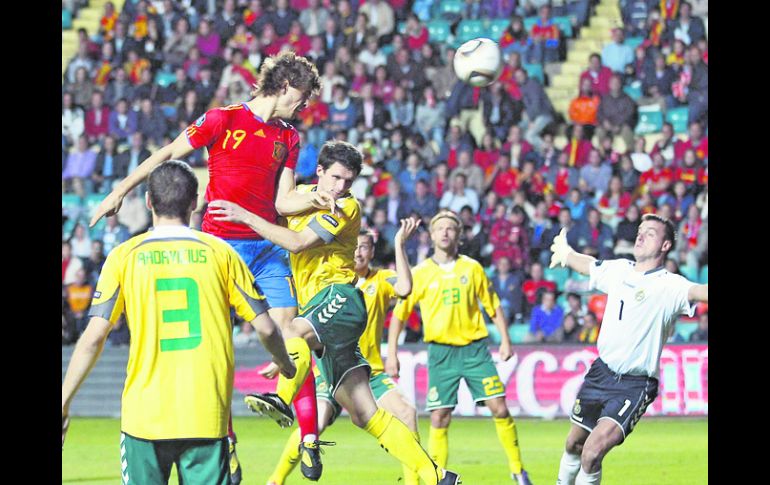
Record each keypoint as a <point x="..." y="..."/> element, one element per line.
<point x="328" y="225"/>
<point x="108" y="300"/>
<point x="485" y="291"/>
<point x="244" y="296"/>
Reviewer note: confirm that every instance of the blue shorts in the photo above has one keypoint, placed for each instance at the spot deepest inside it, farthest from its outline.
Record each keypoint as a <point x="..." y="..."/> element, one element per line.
<point x="269" y="264"/>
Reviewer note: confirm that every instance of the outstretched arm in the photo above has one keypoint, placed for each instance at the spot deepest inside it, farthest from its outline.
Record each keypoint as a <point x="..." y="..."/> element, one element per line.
<point x="178" y="148"/>
<point x="699" y="293"/>
<point x="505" y="340"/>
<point x="223" y="210"/>
<point x="403" y="286"/>
<point x="289" y="202"/>
<point x="564" y="255"/>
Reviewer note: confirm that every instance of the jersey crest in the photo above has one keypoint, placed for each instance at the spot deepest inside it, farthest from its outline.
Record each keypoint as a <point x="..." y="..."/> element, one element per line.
<point x="280" y="151"/>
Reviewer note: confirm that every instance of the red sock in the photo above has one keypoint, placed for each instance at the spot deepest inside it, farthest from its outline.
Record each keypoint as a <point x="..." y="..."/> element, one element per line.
<point x="306" y="407"/>
<point x="230" y="432"/>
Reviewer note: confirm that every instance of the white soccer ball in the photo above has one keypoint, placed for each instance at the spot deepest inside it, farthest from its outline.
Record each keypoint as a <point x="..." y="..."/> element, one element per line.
<point x="478" y="62"/>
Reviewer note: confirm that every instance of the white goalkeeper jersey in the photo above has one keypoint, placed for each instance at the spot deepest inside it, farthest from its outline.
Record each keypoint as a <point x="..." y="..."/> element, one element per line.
<point x="640" y="314"/>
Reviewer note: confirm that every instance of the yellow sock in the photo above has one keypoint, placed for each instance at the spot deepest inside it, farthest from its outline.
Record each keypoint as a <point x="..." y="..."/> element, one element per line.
<point x="288" y="460"/>
<point x="506" y="433"/>
<point x="300" y="353"/>
<point x="395" y="438"/>
<point x="438" y="445"/>
<point x="411" y="477"/>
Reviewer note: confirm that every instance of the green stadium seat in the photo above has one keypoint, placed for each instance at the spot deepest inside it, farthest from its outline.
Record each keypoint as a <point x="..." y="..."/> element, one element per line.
<point x="689" y="272"/>
<point x="634" y="90"/>
<point x="66" y="19"/>
<point x="517" y="332"/>
<point x="650" y="120"/>
<point x="438" y="30"/>
<point x="529" y="22"/>
<point x="678" y="118"/>
<point x="704" y="275"/>
<point x="387" y="49"/>
<point x="633" y="42"/>
<point x="165" y="78"/>
<point x="401" y="27"/>
<point x="450" y="8"/>
<point x="557" y="275"/>
<point x="470" y="29"/>
<point x="496" y="27"/>
<point x="494" y="334"/>
<point x="535" y="71"/>
<point x="685" y="329"/>
<point x="565" y="25"/>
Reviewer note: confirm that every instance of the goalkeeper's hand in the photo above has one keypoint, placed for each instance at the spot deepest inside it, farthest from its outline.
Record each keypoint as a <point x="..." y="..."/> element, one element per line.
<point x="560" y="249"/>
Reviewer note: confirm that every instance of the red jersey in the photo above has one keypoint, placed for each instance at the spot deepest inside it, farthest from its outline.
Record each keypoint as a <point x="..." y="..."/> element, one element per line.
<point x="246" y="155"/>
<point x="654" y="176"/>
<point x="701" y="149"/>
<point x="530" y="287"/>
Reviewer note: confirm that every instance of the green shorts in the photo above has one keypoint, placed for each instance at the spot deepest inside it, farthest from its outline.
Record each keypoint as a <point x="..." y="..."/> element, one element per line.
<point x="198" y="461"/>
<point x="338" y="316"/>
<point x="381" y="384"/>
<point x="447" y="364"/>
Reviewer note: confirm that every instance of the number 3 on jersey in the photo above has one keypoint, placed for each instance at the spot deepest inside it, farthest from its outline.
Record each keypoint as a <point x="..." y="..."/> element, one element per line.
<point x="191" y="314"/>
<point x="450" y="296"/>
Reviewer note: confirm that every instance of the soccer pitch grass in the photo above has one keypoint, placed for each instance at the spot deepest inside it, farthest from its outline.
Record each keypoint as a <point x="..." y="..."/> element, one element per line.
<point x="662" y="451"/>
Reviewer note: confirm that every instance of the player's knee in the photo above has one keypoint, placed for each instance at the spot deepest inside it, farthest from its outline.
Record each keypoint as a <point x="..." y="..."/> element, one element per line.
<point x="439" y="419"/>
<point x="591" y="457"/>
<point x="359" y="418"/>
<point x="574" y="446"/>
<point x="407" y="415"/>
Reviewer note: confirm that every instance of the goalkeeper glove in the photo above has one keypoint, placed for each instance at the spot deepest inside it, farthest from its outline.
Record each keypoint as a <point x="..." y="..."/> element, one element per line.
<point x="560" y="249"/>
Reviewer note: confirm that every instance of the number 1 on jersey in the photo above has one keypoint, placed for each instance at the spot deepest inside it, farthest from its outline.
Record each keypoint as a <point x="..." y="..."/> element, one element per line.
<point x="620" y="315"/>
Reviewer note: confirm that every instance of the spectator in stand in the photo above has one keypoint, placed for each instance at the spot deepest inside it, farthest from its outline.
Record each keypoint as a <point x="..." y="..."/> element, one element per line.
<point x="135" y="66"/>
<point x="657" y="83"/>
<point x="519" y="149"/>
<point x="576" y="204"/>
<point x="401" y="109"/>
<point x="422" y="201"/>
<point x="106" y="167"/>
<point x="538" y="110"/>
<point x="79" y="295"/>
<point x="679" y="200"/>
<point x="485" y="156"/>
<point x="701" y="334"/>
<point x="502" y="178"/>
<point x="666" y="144"/>
<point x="596" y="175"/>
<point x="456" y="141"/>
<point x="617" y="113"/>
<point x="598" y="74"/>
<point x="507" y="76"/>
<point x="473" y="173"/>
<point x="342" y="111"/>
<point x="81" y="60"/>
<point x="637" y="71"/>
<point x="698" y="88"/>
<point x="515" y="38"/>
<point x="635" y="13"/>
<point x="568" y="333"/>
<point x="589" y="334"/>
<point x="194" y="63"/>
<point x="500" y="110"/>
<point x="626" y="232"/>
<point x="406" y="73"/>
<point x="690" y="172"/>
<point x="119" y="87"/>
<point x="372" y="56"/>
<point x="80" y="164"/>
<point x="690" y="233"/>
<point x="595" y="237"/>
<point x="82" y="88"/>
<point x="72" y="120"/>
<point x="507" y="285"/>
<point x="357" y="39"/>
<point x="208" y="41"/>
<point x="381" y="17"/>
<point x="236" y="78"/>
<point x="129" y="159"/>
<point x="123" y="42"/>
<point x="413" y="172"/>
<point x="416" y="35"/>
<point x="112" y="234"/>
<point x="386" y="233"/>
<point x="80" y="242"/>
<point x="676" y="57"/>
<point x="459" y="195"/>
<point x="576" y="308"/>
<point x="151" y="122"/>
<point x="531" y="183"/>
<point x="616" y="55"/>
<point x="329" y="79"/>
<point x="578" y="147"/>
<point x="428" y="118"/>
<point x="561" y="176"/>
<point x="545" y="36"/>
<point x="583" y="109"/>
<point x="546" y="318"/>
<point x="107" y="22"/>
<point x="188" y="109"/>
<point x="540" y="228"/>
<point x="281" y="17"/>
<point x="696" y="140"/>
<point x="628" y="174"/>
<point x="686" y="28"/>
<point x="255" y="16"/>
<point x="134" y="214"/>
<point x="536" y="281"/>
<point x="614" y="203"/>
<point x="657" y="180"/>
<point x="313" y="18"/>
<point x="394" y="204"/>
<point x="122" y="123"/>
<point x="93" y="264"/>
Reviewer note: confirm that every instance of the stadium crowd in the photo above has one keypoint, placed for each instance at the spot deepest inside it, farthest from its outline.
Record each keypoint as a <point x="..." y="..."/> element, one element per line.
<point x="515" y="169"/>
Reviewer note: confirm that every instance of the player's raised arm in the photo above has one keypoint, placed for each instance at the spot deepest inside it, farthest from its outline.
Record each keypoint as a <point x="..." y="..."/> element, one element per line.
<point x="292" y="241"/>
<point x="564" y="255"/>
<point x="289" y="202"/>
<point x="178" y="148"/>
<point x="699" y="293"/>
<point x="403" y="285"/>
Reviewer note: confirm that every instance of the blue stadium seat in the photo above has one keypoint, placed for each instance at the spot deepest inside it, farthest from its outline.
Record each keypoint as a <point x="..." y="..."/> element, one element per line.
<point x="165" y="78"/>
<point x="401" y="27"/>
<point x="423" y="9"/>
<point x="496" y="27"/>
<point x="650" y="120"/>
<point x="529" y="22"/>
<point x="438" y="30"/>
<point x="633" y="42"/>
<point x="535" y="71"/>
<point x="565" y="25"/>
<point x="689" y="272"/>
<point x="66" y="19"/>
<point x="517" y="332"/>
<point x="71" y="205"/>
<point x="90" y="203"/>
<point x="634" y="90"/>
<point x="678" y="118"/>
<point x="494" y="334"/>
<point x="470" y="29"/>
<point x="704" y="275"/>
<point x="557" y="275"/>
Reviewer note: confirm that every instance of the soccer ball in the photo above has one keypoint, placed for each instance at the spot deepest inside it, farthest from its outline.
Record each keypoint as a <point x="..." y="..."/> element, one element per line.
<point x="478" y="62"/>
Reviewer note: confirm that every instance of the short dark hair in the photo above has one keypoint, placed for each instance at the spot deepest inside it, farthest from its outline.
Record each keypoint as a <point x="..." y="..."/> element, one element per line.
<point x="173" y="188"/>
<point x="300" y="73"/>
<point x="343" y="153"/>
<point x="670" y="234"/>
<point x="368" y="234"/>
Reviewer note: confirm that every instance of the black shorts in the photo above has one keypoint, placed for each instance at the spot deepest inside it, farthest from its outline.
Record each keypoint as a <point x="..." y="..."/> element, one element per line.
<point x="607" y="395"/>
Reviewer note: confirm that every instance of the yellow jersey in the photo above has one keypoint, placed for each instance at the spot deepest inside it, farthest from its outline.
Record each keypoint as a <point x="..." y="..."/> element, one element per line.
<point x="176" y="286"/>
<point x="378" y="291"/>
<point x="449" y="297"/>
<point x="316" y="268"/>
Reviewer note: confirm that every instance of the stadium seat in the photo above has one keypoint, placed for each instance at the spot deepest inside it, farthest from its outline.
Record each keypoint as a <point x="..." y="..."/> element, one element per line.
<point x="517" y="332"/>
<point x="450" y="8"/>
<point x="535" y="71"/>
<point x="565" y="25"/>
<point x="529" y="22"/>
<point x="704" y="275"/>
<point x="387" y="49"/>
<point x="633" y="42"/>
<point x="470" y="29"/>
<point x="423" y="9"/>
<point x="689" y="272"/>
<point x="650" y="120"/>
<point x="557" y="275"/>
<point x="72" y="207"/>
<point x="90" y="203"/>
<point x="165" y="78"/>
<point x="496" y="27"/>
<point x="494" y="334"/>
<point x="685" y="329"/>
<point x="634" y="90"/>
<point x="66" y="19"/>
<point x="401" y="27"/>
<point x="438" y="30"/>
<point x="678" y="118"/>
